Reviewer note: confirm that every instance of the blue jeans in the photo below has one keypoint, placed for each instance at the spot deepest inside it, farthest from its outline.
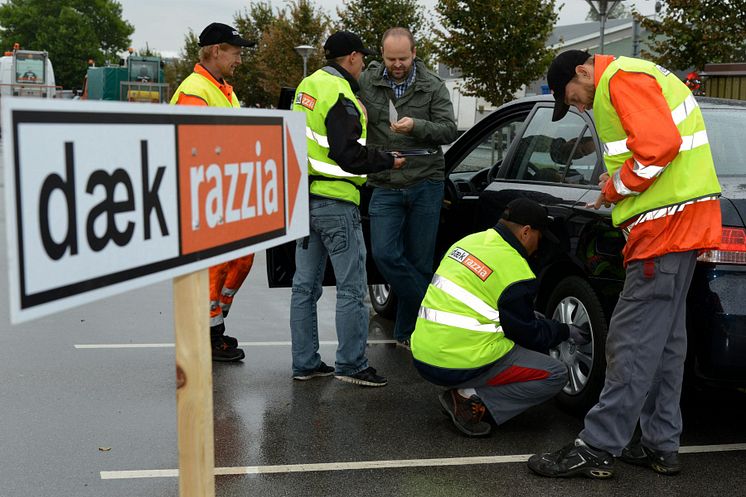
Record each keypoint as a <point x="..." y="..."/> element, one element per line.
<point x="403" y="228"/>
<point x="336" y="232"/>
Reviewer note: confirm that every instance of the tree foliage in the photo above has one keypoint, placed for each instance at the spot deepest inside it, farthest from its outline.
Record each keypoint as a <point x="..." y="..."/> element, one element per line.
<point x="369" y="19"/>
<point x="276" y="62"/>
<point x="252" y="23"/>
<point x="71" y="31"/>
<point x="692" y="33"/>
<point x="175" y="71"/>
<point x="499" y="46"/>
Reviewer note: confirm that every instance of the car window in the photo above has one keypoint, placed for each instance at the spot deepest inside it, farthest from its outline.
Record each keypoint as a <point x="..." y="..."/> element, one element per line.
<point x="492" y="149"/>
<point x="725" y="133"/>
<point x="555" y="152"/>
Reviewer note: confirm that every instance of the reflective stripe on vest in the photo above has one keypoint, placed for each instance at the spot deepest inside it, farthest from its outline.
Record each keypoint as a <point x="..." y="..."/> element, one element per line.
<point x="457" y="320"/>
<point x="198" y="85"/>
<point x="458" y="325"/>
<point x="315" y="96"/>
<point x="690" y="176"/>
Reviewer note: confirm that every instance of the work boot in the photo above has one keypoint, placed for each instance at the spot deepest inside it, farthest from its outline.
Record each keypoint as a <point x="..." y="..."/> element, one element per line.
<point x="574" y="459"/>
<point x="222" y="351"/>
<point x="664" y="463"/>
<point x="466" y="414"/>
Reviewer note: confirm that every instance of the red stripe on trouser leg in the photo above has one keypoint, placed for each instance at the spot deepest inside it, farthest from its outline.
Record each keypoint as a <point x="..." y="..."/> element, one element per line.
<point x="517" y="374"/>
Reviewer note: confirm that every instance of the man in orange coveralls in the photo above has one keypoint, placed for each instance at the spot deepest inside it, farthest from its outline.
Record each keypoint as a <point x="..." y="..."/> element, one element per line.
<point x="662" y="182"/>
<point x="219" y="55"/>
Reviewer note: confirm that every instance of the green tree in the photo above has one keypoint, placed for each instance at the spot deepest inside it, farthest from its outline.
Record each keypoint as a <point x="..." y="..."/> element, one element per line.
<point x="175" y="71"/>
<point x="692" y="33"/>
<point x="370" y="18"/>
<point x="252" y="23"/>
<point x="498" y="46"/>
<point x="276" y="62"/>
<point x="71" y="31"/>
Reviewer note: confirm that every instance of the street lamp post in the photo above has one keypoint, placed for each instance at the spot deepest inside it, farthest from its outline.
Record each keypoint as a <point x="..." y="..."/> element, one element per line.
<point x="304" y="51"/>
<point x="603" y="9"/>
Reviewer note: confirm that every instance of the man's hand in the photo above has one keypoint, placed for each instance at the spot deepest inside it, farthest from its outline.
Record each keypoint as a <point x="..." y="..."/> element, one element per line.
<point x="578" y="335"/>
<point x="405" y="125"/>
<point x="601" y="200"/>
<point x="399" y="162"/>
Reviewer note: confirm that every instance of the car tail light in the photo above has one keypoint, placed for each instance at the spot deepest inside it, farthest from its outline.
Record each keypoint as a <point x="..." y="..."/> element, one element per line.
<point x="732" y="248"/>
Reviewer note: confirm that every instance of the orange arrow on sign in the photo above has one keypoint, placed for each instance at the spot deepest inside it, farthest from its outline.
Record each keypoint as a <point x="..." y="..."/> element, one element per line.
<point x="294" y="173"/>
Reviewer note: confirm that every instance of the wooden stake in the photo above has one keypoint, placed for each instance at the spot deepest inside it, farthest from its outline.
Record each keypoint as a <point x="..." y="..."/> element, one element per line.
<point x="194" y="410"/>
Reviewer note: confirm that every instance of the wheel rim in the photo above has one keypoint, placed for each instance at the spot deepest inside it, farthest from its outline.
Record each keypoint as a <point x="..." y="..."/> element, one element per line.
<point x="577" y="358"/>
<point x="381" y="293"/>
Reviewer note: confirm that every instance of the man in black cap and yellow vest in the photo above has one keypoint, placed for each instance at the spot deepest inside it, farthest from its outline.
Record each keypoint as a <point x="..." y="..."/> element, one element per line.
<point x="337" y="163"/>
<point x="219" y="55"/>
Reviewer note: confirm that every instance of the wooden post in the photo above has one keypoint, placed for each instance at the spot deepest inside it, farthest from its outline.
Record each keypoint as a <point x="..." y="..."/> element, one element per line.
<point x="194" y="410"/>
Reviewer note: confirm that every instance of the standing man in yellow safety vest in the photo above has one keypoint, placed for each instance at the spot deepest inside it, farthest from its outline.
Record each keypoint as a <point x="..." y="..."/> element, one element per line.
<point x="219" y="55"/>
<point x="662" y="182"/>
<point x="337" y="163"/>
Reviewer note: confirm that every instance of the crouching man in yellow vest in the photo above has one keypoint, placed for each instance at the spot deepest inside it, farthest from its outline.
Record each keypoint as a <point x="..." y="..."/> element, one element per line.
<point x="477" y="333"/>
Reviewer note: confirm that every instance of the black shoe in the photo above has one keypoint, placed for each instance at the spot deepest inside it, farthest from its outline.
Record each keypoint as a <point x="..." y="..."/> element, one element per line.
<point x="322" y="370"/>
<point x="466" y="414"/>
<point x="573" y="459"/>
<point x="232" y="342"/>
<point x="223" y="352"/>
<point x="366" y="378"/>
<point x="664" y="463"/>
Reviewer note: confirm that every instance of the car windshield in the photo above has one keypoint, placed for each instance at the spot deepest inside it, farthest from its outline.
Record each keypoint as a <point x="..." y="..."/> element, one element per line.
<point x="725" y="133"/>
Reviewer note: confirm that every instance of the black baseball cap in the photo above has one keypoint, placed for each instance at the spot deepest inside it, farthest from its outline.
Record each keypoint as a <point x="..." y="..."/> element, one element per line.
<point x="527" y="212"/>
<point x="216" y="33"/>
<point x="561" y="71"/>
<point x="344" y="43"/>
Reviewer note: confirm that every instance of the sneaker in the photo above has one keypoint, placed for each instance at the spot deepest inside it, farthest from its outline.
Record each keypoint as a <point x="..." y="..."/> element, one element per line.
<point x="366" y="378"/>
<point x="664" y="463"/>
<point x="232" y="342"/>
<point x="573" y="459"/>
<point x="466" y="414"/>
<point x="322" y="370"/>
<point x="223" y="352"/>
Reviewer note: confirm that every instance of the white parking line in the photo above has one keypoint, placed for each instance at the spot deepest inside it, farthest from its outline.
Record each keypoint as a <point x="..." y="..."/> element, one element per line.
<point x="241" y="344"/>
<point x="397" y="463"/>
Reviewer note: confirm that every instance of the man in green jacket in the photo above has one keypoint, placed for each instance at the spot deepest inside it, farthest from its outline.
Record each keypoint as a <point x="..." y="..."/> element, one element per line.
<point x="409" y="108"/>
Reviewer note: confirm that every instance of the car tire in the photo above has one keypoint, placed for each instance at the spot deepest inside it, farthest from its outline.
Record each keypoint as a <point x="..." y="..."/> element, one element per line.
<point x="574" y="301"/>
<point x="383" y="300"/>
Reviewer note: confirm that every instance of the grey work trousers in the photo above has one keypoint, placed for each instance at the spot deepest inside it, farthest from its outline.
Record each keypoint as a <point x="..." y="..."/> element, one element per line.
<point x="520" y="379"/>
<point x="645" y="352"/>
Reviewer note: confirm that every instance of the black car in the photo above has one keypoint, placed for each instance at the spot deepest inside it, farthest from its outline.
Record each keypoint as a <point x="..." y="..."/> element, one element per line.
<point x="518" y="151"/>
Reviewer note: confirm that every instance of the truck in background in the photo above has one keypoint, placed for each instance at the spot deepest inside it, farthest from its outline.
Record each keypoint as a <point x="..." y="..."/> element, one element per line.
<point x="140" y="79"/>
<point x="27" y="73"/>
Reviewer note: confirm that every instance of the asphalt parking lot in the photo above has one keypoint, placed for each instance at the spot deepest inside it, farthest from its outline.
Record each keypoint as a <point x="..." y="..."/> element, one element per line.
<point x="88" y="408"/>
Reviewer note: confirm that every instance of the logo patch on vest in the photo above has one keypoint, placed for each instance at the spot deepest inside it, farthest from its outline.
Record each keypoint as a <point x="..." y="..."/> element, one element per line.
<point x="473" y="264"/>
<point x="662" y="69"/>
<point x="305" y="100"/>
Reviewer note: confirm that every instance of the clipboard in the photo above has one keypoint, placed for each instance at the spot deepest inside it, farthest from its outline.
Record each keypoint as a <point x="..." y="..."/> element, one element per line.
<point x="413" y="152"/>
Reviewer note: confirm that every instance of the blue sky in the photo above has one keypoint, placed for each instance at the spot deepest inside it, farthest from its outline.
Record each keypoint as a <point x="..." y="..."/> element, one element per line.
<point x="163" y="23"/>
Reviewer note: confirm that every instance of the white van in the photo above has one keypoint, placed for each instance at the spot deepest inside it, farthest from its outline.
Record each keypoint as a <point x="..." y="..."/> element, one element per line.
<point x="27" y="73"/>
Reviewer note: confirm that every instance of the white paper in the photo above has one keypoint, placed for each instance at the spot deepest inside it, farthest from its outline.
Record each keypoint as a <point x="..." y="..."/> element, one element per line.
<point x="393" y="115"/>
